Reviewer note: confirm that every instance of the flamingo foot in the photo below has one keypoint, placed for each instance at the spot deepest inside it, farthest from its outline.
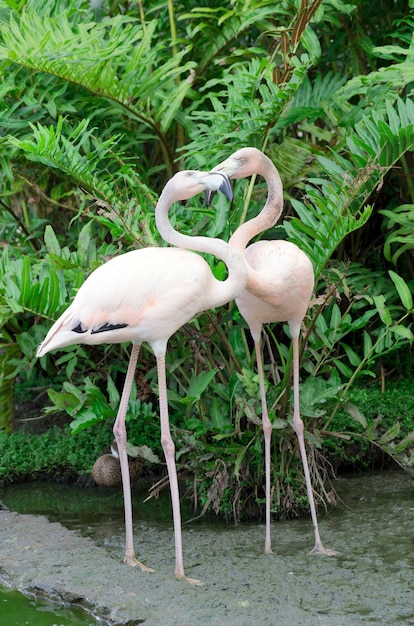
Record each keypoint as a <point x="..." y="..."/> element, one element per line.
<point x="133" y="562"/>
<point x="191" y="581"/>
<point x="320" y="549"/>
<point x="268" y="550"/>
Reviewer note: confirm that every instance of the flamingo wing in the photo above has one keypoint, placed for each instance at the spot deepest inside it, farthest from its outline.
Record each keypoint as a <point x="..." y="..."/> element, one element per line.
<point x="143" y="295"/>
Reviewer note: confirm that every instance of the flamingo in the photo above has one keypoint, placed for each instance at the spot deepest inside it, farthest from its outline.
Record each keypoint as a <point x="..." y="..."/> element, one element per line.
<point x="279" y="287"/>
<point x="147" y="295"/>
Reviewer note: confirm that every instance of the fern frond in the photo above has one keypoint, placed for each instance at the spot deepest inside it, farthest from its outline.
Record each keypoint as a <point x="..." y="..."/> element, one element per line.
<point x="313" y="98"/>
<point x="95" y="166"/>
<point x="115" y="59"/>
<point x="334" y="204"/>
<point x="400" y="221"/>
<point x="215" y="27"/>
<point x="246" y="107"/>
<point x="395" y="76"/>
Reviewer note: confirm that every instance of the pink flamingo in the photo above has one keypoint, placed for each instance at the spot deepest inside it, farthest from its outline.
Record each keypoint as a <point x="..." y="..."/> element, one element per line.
<point x="147" y="295"/>
<point x="279" y="287"/>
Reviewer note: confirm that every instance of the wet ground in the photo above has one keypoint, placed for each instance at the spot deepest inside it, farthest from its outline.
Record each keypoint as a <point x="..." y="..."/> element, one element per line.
<point x="76" y="558"/>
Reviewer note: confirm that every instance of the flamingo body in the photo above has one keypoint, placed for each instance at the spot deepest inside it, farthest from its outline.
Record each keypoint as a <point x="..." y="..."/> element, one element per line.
<point x="279" y="286"/>
<point x="282" y="295"/>
<point x="135" y="297"/>
<point x="146" y="295"/>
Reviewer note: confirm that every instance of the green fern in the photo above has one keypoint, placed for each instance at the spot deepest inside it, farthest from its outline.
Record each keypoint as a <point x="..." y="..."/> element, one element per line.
<point x="394" y="77"/>
<point x="312" y="99"/>
<point x="96" y="167"/>
<point x="49" y="146"/>
<point x="400" y="221"/>
<point x="216" y="27"/>
<point x="115" y="59"/>
<point x="244" y="110"/>
<point x="335" y="203"/>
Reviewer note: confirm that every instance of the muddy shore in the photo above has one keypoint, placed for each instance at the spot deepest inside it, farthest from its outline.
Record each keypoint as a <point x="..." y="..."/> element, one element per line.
<point x="369" y="582"/>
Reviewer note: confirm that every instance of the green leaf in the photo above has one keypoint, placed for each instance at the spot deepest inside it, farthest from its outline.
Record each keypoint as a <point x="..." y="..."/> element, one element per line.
<point x="353" y="357"/>
<point x="113" y="392"/>
<point x="335" y="316"/>
<point x="367" y="344"/>
<point x="25" y="281"/>
<point x="314" y="394"/>
<point x="85" y="419"/>
<point x="279" y="424"/>
<point x="84" y="243"/>
<point x="311" y="44"/>
<point x="403" y="290"/>
<point x="144" y="452"/>
<point x="54" y="293"/>
<point x="343" y="368"/>
<point x="404" y="443"/>
<point x="403" y="331"/>
<point x="219" y="417"/>
<point x="383" y="312"/>
<point x="199" y="383"/>
<point x="391" y="433"/>
<point x="355" y="413"/>
<point x="51" y="241"/>
<point x="64" y="401"/>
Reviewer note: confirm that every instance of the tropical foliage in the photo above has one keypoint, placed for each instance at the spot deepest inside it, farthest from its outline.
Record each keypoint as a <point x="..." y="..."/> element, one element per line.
<point x="101" y="102"/>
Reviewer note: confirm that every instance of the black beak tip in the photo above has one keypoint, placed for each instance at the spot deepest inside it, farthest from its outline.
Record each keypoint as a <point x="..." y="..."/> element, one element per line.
<point x="225" y="188"/>
<point x="208" y="196"/>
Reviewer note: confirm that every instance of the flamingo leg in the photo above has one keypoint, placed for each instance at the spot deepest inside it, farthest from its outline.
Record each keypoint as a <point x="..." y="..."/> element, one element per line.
<point x="120" y="436"/>
<point x="267" y="433"/>
<point x="169" y="452"/>
<point x="299" y="429"/>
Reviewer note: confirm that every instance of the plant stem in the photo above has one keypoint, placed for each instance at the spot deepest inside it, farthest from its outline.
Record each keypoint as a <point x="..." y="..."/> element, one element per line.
<point x="173" y="28"/>
<point x="408" y="177"/>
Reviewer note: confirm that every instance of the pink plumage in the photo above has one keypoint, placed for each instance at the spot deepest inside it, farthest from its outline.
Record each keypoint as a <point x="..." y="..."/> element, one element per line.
<point x="146" y="295"/>
<point x="279" y="287"/>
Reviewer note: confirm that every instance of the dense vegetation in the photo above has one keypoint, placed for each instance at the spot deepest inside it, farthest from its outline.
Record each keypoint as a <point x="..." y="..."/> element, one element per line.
<point x="100" y="103"/>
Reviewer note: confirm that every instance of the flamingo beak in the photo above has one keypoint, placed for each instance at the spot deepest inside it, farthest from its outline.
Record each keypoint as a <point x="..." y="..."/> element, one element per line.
<point x="226" y="168"/>
<point x="223" y="185"/>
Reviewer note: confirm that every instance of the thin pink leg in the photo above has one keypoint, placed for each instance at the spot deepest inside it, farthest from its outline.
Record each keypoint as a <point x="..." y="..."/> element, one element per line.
<point x="169" y="452"/>
<point x="120" y="436"/>
<point x="298" y="424"/>
<point x="267" y="432"/>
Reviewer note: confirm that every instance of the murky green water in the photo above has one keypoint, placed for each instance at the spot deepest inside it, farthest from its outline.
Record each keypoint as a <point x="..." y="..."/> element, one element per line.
<point x="17" y="610"/>
<point x="370" y="582"/>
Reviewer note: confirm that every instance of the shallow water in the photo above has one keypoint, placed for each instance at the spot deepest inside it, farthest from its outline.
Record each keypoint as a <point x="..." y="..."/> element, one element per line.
<point x="371" y="581"/>
<point x="18" y="610"/>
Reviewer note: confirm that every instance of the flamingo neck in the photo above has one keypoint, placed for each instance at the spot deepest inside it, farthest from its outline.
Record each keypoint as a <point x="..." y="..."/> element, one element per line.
<point x="223" y="291"/>
<point x="270" y="213"/>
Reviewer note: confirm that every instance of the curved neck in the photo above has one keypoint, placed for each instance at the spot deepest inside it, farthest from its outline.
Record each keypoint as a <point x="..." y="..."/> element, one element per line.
<point x="271" y="211"/>
<point x="223" y="291"/>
